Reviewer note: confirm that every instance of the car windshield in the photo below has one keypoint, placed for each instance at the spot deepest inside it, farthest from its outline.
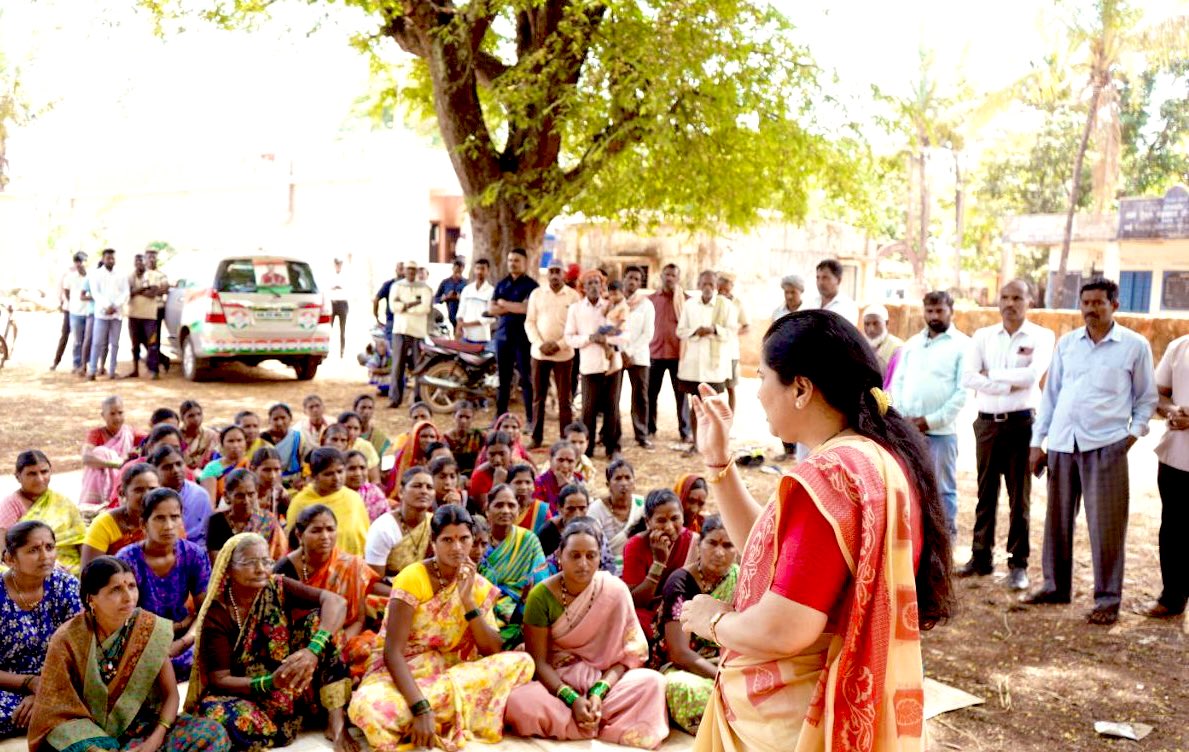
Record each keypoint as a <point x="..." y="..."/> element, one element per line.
<point x="277" y="276"/>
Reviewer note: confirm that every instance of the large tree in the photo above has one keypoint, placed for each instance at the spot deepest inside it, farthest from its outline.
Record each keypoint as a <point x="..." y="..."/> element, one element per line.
<point x="698" y="111"/>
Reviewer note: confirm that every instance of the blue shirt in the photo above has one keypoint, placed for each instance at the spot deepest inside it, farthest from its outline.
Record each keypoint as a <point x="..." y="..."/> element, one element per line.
<point x="928" y="380"/>
<point x="450" y="285"/>
<point x="196" y="510"/>
<point x="382" y="294"/>
<point x="511" y="325"/>
<point x="1097" y="394"/>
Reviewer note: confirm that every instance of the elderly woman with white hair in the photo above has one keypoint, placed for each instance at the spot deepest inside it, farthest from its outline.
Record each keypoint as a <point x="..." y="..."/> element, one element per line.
<point x="885" y="344"/>
<point x="794" y="287"/>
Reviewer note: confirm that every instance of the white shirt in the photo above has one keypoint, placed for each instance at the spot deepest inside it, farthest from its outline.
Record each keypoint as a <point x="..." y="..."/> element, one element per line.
<point x="1010" y="360"/>
<point x="1173" y="373"/>
<point x="582" y="321"/>
<point x="75" y="282"/>
<point x="337" y="290"/>
<point x="733" y="342"/>
<point x="110" y="290"/>
<point x="545" y="321"/>
<point x="382" y="537"/>
<point x="412" y="322"/>
<point x="844" y="307"/>
<point x="706" y="358"/>
<point x="472" y="303"/>
<point x="638" y="332"/>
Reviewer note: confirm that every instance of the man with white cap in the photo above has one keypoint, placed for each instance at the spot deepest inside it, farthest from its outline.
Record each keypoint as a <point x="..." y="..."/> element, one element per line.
<point x="545" y="325"/>
<point x="410" y="302"/>
<point x="884" y="343"/>
<point x="794" y="287"/>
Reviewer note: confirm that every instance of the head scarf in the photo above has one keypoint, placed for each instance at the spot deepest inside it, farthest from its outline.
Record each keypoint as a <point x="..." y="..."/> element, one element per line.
<point x="683" y="487"/>
<point x="876" y="309"/>
<point x="516" y="452"/>
<point x="216" y="587"/>
<point x="410" y="455"/>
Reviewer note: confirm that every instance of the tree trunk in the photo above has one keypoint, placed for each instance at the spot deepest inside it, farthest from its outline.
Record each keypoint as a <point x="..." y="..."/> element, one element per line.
<point x="923" y="236"/>
<point x="498" y="229"/>
<point x="1059" y="280"/>
<point x="959" y="218"/>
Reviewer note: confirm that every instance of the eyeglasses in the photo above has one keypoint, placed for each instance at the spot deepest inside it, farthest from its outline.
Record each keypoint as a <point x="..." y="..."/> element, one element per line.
<point x="266" y="564"/>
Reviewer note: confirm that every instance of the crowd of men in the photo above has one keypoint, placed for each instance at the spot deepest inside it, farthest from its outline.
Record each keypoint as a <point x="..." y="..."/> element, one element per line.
<point x="1078" y="424"/>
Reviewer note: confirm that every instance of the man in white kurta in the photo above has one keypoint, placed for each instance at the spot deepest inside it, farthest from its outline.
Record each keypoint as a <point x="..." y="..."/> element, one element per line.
<point x="707" y="324"/>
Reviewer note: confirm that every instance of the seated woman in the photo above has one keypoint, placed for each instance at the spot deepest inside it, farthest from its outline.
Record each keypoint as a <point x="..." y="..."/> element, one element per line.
<point x="691" y="488"/>
<point x="105" y="450"/>
<point x="589" y="651"/>
<point x="650" y="556"/>
<point x="365" y="408"/>
<point x="326" y="488"/>
<point x="446" y="490"/>
<point x="161" y="434"/>
<point x="317" y="562"/>
<point x="513" y="563"/>
<point x="354" y="425"/>
<point x="440" y="678"/>
<point x="291" y="446"/>
<point x="689" y="662"/>
<point x="533" y="512"/>
<point x="196" y="504"/>
<point x="34" y="500"/>
<point x="621" y="510"/>
<point x="356" y="479"/>
<point x="510" y="424"/>
<point x="575" y="504"/>
<point x="198" y="442"/>
<point x="114" y="529"/>
<point x="490" y="473"/>
<point x="36" y="599"/>
<point x="243" y="514"/>
<point x="843" y="568"/>
<point x="170" y="572"/>
<point x="339" y="437"/>
<point x="419" y="412"/>
<point x="464" y="439"/>
<point x="267" y="656"/>
<point x="561" y="472"/>
<point x="107" y="682"/>
<point x="413" y="452"/>
<point x="401" y="537"/>
<point x="271" y="491"/>
<point x="233" y="451"/>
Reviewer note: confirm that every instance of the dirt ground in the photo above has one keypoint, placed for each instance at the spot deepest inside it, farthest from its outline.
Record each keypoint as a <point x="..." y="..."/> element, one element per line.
<point x="1045" y="674"/>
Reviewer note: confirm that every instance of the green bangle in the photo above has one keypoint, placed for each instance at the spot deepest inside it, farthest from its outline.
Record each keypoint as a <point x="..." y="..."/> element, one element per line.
<point x="600" y="689"/>
<point x="318" y="642"/>
<point x="568" y="695"/>
<point x="262" y="684"/>
<point x="421" y="707"/>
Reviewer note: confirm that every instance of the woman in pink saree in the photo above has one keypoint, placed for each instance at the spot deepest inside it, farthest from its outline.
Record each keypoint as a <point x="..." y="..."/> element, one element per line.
<point x="581" y="629"/>
<point x="105" y="451"/>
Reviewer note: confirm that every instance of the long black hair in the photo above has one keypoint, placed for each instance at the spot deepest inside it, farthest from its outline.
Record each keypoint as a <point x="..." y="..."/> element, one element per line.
<point x="829" y="351"/>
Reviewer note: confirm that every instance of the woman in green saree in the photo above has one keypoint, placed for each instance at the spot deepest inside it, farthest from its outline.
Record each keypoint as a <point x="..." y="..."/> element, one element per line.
<point x="34" y="500"/>
<point x="514" y="562"/>
<point x="108" y="683"/>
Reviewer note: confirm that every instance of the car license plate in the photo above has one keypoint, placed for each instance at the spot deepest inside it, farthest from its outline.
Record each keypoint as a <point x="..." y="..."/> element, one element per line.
<point x="274" y="314"/>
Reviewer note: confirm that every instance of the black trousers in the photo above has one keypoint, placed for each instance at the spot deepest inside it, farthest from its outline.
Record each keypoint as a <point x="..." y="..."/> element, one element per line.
<point x="338" y="310"/>
<point x="561" y="371"/>
<point x="1174" y="524"/>
<point x="1001" y="451"/>
<point x="514" y="354"/>
<point x="656" y="376"/>
<point x="63" y="339"/>
<point x="161" y="357"/>
<point x="405" y="352"/>
<point x="600" y="397"/>
<point x="144" y="332"/>
<point x="638" y="379"/>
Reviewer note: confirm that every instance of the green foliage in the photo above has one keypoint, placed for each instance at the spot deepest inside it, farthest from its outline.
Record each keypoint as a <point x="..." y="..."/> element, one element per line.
<point x="1033" y="178"/>
<point x="1156" y="133"/>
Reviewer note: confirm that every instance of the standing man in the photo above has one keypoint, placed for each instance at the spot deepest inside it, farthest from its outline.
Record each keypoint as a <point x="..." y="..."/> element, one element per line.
<point x="794" y="288"/>
<point x="665" y="350"/>
<point x="726" y="283"/>
<point x="450" y="290"/>
<point x="884" y="343"/>
<point x="601" y="377"/>
<point x="829" y="282"/>
<point x="1004" y="366"/>
<point x="927" y="390"/>
<point x="382" y="295"/>
<point x="637" y="361"/>
<point x="64" y="283"/>
<point x="1097" y="402"/>
<point x="339" y="294"/>
<point x="409" y="301"/>
<point x="707" y="324"/>
<point x="76" y="311"/>
<point x="142" y="318"/>
<point x="110" y="293"/>
<point x="157" y="277"/>
<point x="510" y="303"/>
<point x="545" y="325"/>
<point x="1172" y="478"/>
<point x="472" y="326"/>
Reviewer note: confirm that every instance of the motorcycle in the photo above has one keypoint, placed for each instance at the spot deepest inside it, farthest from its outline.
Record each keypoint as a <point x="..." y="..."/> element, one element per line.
<point x="450" y="371"/>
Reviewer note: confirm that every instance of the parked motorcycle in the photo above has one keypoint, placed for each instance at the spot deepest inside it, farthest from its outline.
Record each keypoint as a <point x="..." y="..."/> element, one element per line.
<point x="450" y="371"/>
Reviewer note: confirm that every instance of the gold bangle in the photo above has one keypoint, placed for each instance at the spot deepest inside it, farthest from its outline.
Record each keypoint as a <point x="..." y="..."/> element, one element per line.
<point x="717" y="478"/>
<point x="714" y="620"/>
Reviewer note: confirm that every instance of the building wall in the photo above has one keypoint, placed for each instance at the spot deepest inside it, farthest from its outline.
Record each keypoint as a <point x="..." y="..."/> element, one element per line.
<point x="1149" y="258"/>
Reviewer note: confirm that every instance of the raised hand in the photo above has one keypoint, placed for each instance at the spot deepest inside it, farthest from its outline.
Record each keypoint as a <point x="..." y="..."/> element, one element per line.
<point x="714" y="425"/>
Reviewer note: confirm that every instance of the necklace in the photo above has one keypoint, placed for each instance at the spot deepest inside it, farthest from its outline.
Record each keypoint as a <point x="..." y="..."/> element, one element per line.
<point x="565" y="594"/>
<point x="20" y="596"/>
<point x="701" y="582"/>
<point x="239" y="622"/>
<point x="305" y="573"/>
<point x="113" y="653"/>
<point x="438" y="574"/>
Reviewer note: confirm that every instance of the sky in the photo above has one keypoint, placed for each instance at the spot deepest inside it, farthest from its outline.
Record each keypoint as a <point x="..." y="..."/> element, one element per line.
<point x="127" y="103"/>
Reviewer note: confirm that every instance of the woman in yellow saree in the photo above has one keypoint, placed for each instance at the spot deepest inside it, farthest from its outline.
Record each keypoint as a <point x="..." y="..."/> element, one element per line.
<point x="842" y="568"/>
<point x="36" y="501"/>
<point x="439" y="679"/>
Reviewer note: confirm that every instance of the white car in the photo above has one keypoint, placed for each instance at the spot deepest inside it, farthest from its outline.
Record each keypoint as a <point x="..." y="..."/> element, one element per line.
<point x="248" y="308"/>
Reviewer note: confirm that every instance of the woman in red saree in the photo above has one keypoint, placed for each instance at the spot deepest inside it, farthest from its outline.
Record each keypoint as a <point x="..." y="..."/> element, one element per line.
<point x="842" y="568"/>
<point x="691" y="488"/>
<point x="413" y="453"/>
<point x="650" y="556"/>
